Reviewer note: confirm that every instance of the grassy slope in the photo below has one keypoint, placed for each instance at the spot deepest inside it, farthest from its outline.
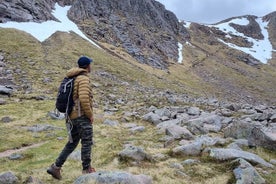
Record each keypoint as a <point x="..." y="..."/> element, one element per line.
<point x="231" y="78"/>
<point x="51" y="59"/>
<point x="109" y="142"/>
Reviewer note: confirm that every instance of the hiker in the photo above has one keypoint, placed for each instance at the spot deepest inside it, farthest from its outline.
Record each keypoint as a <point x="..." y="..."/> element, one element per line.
<point x="80" y="119"/>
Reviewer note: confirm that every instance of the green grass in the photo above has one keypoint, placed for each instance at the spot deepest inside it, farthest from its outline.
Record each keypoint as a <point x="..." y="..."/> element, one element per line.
<point x="109" y="142"/>
<point x="52" y="58"/>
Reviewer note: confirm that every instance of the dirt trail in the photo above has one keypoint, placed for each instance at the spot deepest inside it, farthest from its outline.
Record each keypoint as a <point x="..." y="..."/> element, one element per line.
<point x="10" y="152"/>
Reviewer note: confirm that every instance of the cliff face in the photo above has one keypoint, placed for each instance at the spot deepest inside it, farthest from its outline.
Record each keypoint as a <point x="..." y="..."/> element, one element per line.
<point x="144" y="28"/>
<point x="222" y="59"/>
<point x="271" y="27"/>
<point x="26" y="10"/>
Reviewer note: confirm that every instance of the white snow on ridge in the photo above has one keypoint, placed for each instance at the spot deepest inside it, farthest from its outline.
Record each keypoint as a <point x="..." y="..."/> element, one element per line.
<point x="261" y="49"/>
<point x="180" y="57"/>
<point x="42" y="31"/>
<point x="225" y="27"/>
<point x="187" y="24"/>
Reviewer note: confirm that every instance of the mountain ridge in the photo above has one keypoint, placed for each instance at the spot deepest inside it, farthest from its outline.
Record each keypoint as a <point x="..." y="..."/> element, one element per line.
<point x="205" y="52"/>
<point x="180" y="118"/>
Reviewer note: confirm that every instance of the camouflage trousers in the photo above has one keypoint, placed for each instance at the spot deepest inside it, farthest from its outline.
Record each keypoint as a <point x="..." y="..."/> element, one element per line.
<point x="81" y="130"/>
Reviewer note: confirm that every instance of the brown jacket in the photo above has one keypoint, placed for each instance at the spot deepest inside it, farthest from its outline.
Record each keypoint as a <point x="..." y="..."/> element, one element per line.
<point x="82" y="94"/>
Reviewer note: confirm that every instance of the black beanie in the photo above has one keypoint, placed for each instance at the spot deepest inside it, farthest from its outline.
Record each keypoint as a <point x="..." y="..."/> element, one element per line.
<point x="84" y="61"/>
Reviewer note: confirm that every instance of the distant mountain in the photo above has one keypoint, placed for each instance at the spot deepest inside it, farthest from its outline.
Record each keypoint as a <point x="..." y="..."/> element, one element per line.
<point x="144" y="28"/>
<point x="234" y="58"/>
<point x="132" y="25"/>
<point x="248" y="34"/>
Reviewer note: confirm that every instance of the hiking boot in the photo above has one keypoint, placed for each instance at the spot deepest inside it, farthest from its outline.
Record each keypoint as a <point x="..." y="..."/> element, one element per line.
<point x="54" y="171"/>
<point x="89" y="170"/>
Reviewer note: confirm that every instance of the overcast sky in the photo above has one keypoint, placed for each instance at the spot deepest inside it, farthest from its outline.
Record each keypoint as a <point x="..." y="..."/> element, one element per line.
<point x="213" y="11"/>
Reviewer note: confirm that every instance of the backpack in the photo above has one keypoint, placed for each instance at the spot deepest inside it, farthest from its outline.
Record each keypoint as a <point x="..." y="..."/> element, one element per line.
<point x="64" y="101"/>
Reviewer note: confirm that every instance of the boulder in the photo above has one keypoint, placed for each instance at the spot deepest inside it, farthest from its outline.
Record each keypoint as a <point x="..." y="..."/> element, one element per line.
<point x="5" y="90"/>
<point x="194" y="111"/>
<point x="193" y="149"/>
<point x="178" y="132"/>
<point x="113" y="177"/>
<point x="246" y="173"/>
<point x="8" y="178"/>
<point x="56" y="115"/>
<point x="33" y="180"/>
<point x="231" y="154"/>
<point x="205" y="123"/>
<point x="239" y="129"/>
<point x="273" y="118"/>
<point x="264" y="137"/>
<point x="111" y="122"/>
<point x="134" y="153"/>
<point x="137" y="129"/>
<point x="152" y="118"/>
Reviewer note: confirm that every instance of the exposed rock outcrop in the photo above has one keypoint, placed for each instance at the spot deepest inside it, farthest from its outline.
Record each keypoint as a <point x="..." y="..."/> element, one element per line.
<point x="26" y="10"/>
<point x="131" y="25"/>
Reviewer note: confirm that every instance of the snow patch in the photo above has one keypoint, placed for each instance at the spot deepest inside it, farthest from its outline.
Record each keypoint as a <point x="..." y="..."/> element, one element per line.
<point x="187" y="24"/>
<point x="180" y="48"/>
<point x="261" y="49"/>
<point x="44" y="30"/>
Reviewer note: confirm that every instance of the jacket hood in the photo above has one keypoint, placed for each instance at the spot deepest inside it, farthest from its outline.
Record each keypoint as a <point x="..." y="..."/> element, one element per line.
<point x="76" y="71"/>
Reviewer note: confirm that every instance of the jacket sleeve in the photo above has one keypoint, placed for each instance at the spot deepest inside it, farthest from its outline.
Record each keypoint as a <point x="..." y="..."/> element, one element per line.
<point x="85" y="96"/>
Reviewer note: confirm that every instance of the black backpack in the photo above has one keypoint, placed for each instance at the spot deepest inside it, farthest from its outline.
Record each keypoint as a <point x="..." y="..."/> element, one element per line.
<point x="65" y="102"/>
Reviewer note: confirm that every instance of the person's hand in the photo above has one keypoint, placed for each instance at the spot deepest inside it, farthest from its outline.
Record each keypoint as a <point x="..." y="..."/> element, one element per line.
<point x="91" y="119"/>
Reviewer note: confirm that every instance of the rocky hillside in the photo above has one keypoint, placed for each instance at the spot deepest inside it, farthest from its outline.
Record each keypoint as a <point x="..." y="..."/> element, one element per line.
<point x="210" y="118"/>
<point x="127" y="24"/>
<point x="224" y="59"/>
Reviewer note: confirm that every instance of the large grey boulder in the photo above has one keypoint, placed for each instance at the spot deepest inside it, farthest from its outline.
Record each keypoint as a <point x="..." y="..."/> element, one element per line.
<point x="8" y="178"/>
<point x="207" y="141"/>
<point x="113" y="177"/>
<point x="206" y="123"/>
<point x="239" y="129"/>
<point x="245" y="173"/>
<point x="33" y="180"/>
<point x="264" y="137"/>
<point x="193" y="149"/>
<point x="5" y="90"/>
<point x="231" y="154"/>
<point x="194" y="111"/>
<point x="133" y="153"/>
<point x="273" y="118"/>
<point x="56" y="115"/>
<point x="152" y="118"/>
<point x="166" y="124"/>
<point x="164" y="112"/>
<point x="178" y="132"/>
<point x="195" y="126"/>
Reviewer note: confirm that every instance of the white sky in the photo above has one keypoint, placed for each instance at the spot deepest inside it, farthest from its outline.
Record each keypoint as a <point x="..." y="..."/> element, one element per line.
<point x="213" y="11"/>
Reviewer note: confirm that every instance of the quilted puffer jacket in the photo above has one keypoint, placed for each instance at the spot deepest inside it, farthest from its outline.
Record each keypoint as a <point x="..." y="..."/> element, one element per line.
<point x="82" y="93"/>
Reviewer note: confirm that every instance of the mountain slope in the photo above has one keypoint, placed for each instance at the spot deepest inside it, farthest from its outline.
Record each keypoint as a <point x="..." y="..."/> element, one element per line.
<point x="227" y="57"/>
<point x="131" y="25"/>
<point x="213" y="64"/>
<point x="192" y="94"/>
